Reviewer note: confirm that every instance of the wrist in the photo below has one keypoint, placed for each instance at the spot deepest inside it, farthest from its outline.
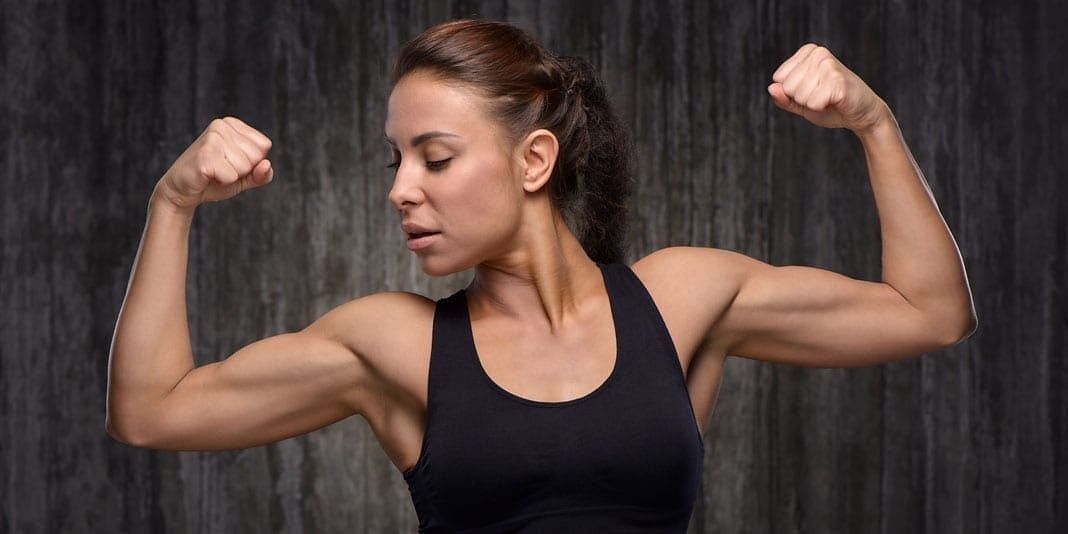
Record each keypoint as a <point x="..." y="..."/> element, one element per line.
<point x="880" y="124"/>
<point x="164" y="199"/>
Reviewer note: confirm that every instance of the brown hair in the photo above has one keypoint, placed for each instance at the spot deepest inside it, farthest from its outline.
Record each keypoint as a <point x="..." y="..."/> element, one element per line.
<point x="532" y="88"/>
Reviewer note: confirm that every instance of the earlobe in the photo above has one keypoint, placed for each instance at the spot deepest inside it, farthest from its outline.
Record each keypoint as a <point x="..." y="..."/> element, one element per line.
<point x="539" y="151"/>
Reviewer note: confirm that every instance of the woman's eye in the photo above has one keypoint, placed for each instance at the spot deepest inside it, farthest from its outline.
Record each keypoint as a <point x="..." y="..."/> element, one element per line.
<point x="432" y="165"/>
<point x="435" y="165"/>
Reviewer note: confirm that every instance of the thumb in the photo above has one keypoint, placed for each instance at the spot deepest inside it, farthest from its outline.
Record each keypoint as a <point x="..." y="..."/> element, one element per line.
<point x="261" y="175"/>
<point x="778" y="95"/>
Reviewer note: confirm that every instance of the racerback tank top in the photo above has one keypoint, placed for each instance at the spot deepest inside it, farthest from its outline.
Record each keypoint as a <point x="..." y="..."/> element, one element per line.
<point x="627" y="457"/>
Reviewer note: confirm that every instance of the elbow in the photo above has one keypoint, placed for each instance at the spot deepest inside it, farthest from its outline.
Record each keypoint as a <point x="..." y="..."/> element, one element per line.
<point x="133" y="417"/>
<point x="971" y="326"/>
<point x="949" y="322"/>
<point x="120" y="432"/>
<point x="959" y="330"/>
<point x="129" y="432"/>
<point x="113" y="430"/>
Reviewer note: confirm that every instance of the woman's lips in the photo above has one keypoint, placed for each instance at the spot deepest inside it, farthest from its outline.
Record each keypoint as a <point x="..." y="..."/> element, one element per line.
<point x="422" y="240"/>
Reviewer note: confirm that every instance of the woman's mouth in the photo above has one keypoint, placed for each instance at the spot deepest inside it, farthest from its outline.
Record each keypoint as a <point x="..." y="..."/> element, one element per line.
<point x="421" y="240"/>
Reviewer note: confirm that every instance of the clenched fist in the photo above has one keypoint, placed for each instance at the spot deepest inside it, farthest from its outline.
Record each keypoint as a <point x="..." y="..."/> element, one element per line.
<point x="814" y="84"/>
<point x="229" y="157"/>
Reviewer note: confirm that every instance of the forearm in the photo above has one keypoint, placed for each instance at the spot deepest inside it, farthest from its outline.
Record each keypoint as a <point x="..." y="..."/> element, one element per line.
<point x="920" y="257"/>
<point x="151" y="350"/>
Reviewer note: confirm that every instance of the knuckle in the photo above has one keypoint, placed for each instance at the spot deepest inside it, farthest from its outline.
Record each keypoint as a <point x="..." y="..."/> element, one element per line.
<point x="205" y="161"/>
<point x="232" y="123"/>
<point x="205" y="168"/>
<point x="228" y="123"/>
<point x="212" y="138"/>
<point x="203" y="153"/>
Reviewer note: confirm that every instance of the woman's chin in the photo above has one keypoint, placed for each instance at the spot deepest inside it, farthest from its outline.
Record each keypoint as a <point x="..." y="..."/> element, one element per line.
<point x="437" y="266"/>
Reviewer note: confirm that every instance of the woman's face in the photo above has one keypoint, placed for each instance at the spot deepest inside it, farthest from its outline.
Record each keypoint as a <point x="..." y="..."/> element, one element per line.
<point x="454" y="174"/>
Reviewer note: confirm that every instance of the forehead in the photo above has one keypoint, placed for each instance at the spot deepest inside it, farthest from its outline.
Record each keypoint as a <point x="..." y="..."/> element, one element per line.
<point x="422" y="102"/>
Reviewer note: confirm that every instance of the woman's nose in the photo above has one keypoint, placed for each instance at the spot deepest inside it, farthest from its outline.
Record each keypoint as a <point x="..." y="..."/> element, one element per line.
<point x="406" y="190"/>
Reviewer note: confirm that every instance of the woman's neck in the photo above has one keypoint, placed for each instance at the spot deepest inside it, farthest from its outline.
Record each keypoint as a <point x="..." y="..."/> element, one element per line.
<point x="542" y="281"/>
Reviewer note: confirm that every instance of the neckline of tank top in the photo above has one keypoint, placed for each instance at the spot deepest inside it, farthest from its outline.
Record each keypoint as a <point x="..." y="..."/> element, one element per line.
<point x="549" y="404"/>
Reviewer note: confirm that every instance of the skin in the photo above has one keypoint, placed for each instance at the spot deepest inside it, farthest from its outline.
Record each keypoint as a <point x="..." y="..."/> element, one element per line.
<point x="536" y="299"/>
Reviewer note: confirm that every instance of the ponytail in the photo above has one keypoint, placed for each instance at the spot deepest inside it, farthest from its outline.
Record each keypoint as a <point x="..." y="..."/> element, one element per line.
<point x="596" y="167"/>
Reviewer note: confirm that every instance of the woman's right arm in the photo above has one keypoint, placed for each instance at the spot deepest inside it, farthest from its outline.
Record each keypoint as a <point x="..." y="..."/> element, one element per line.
<point x="272" y="389"/>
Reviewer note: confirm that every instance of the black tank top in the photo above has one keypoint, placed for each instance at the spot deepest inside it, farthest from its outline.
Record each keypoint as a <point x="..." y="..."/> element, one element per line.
<point x="627" y="457"/>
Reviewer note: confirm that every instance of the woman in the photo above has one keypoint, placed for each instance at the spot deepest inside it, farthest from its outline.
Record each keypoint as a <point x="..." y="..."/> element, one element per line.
<point x="561" y="389"/>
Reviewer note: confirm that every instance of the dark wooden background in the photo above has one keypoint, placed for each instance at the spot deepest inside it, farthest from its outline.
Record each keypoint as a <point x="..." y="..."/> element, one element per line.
<point x="100" y="97"/>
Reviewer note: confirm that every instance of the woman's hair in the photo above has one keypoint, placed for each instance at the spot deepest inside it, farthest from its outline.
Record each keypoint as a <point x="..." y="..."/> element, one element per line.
<point x="531" y="88"/>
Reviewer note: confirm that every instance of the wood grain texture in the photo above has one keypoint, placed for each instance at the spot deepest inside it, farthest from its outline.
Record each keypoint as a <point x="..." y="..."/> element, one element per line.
<point x="99" y="98"/>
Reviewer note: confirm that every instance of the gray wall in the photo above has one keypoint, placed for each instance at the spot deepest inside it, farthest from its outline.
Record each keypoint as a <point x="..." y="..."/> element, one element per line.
<point x="100" y="97"/>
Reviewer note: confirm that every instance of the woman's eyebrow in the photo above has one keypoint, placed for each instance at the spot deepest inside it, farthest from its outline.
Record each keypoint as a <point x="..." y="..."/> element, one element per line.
<point x="424" y="137"/>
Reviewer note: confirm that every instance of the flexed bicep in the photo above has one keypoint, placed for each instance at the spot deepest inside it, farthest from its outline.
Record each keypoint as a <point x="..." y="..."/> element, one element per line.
<point x="791" y="314"/>
<point x="281" y="386"/>
<point x="275" y="388"/>
<point x="813" y="317"/>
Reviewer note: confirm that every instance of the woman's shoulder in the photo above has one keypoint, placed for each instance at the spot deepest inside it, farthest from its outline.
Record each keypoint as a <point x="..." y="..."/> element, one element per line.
<point x="381" y="328"/>
<point x="688" y="267"/>
<point x="383" y="309"/>
<point x="692" y="287"/>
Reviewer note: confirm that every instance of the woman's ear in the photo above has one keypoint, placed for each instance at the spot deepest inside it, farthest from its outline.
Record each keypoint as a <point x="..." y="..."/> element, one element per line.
<point x="538" y="156"/>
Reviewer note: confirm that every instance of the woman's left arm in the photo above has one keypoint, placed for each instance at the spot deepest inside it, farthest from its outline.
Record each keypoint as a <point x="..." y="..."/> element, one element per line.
<point x="920" y="257"/>
<point x="813" y="317"/>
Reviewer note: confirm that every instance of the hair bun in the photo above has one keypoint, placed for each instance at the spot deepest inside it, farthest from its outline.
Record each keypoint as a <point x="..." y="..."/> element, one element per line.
<point x="578" y="73"/>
